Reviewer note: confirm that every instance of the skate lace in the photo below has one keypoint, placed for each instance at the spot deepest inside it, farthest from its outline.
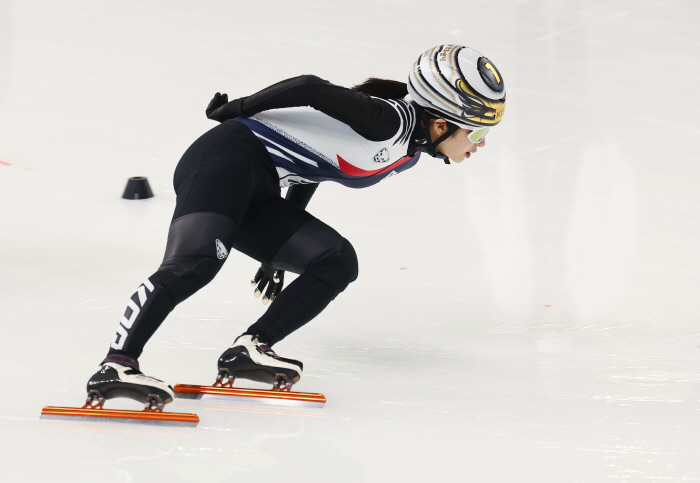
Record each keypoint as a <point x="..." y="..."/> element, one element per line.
<point x="261" y="346"/>
<point x="267" y="350"/>
<point x="140" y="375"/>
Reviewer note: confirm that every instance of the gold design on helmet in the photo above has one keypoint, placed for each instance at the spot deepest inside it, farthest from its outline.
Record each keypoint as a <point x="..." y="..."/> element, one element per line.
<point x="436" y="76"/>
<point x="418" y="76"/>
<point x="477" y="109"/>
<point x="445" y="51"/>
<point x="493" y="71"/>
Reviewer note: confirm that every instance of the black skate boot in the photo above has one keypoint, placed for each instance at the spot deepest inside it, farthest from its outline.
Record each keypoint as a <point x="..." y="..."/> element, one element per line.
<point x="248" y="358"/>
<point x="115" y="380"/>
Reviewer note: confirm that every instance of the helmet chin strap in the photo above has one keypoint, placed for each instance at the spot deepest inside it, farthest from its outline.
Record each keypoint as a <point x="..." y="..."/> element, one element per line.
<point x="431" y="148"/>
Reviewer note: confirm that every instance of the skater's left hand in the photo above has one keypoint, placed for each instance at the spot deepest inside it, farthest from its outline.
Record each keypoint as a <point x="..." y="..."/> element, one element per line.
<point x="272" y="278"/>
<point x="220" y="109"/>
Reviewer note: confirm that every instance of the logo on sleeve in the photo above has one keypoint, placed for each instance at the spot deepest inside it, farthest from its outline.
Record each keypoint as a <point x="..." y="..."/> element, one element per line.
<point x="221" y="251"/>
<point x="382" y="156"/>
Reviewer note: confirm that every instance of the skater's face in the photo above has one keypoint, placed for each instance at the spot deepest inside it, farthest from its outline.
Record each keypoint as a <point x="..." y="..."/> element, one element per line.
<point x="458" y="146"/>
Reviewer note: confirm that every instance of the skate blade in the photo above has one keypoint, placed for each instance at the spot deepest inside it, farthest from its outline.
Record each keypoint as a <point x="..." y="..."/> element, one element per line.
<point x="118" y="415"/>
<point x="264" y="396"/>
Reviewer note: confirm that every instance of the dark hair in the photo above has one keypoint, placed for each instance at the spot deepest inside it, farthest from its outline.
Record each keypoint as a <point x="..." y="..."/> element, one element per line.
<point x="391" y="89"/>
<point x="383" y="88"/>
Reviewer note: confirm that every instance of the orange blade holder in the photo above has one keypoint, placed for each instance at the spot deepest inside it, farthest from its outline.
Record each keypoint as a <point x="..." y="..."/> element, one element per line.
<point x="253" y="393"/>
<point x="120" y="414"/>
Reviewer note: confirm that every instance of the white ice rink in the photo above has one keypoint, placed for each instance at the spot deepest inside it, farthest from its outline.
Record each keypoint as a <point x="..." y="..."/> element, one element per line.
<point x="531" y="315"/>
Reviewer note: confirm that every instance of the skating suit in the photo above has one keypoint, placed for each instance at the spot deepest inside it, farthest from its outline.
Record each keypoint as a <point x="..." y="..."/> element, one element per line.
<point x="228" y="197"/>
<point x="315" y="131"/>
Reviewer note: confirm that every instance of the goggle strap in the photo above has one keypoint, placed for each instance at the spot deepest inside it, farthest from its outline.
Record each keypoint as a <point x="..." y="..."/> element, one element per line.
<point x="451" y="128"/>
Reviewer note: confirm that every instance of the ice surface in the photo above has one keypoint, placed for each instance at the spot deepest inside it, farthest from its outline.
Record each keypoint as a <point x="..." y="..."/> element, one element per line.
<point x="528" y="315"/>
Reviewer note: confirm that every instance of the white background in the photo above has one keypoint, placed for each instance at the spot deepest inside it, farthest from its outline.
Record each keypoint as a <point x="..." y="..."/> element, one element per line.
<point x="528" y="315"/>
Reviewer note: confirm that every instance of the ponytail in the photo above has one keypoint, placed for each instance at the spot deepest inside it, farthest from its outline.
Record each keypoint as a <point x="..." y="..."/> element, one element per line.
<point x="383" y="88"/>
<point x="391" y="89"/>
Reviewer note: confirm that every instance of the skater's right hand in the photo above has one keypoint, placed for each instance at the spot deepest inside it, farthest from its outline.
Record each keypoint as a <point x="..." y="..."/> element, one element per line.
<point x="268" y="276"/>
<point x="220" y="109"/>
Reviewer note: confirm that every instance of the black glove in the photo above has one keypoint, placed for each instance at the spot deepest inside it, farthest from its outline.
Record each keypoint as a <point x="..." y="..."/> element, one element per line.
<point x="219" y="109"/>
<point x="268" y="276"/>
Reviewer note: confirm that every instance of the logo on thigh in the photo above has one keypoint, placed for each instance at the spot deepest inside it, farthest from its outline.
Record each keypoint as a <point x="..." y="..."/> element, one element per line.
<point x="221" y="251"/>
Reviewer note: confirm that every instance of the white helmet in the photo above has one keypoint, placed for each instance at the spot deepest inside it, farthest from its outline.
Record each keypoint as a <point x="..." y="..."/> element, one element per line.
<point x="460" y="85"/>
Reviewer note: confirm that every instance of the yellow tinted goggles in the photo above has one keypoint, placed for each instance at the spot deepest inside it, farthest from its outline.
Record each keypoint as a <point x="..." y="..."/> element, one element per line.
<point x="477" y="135"/>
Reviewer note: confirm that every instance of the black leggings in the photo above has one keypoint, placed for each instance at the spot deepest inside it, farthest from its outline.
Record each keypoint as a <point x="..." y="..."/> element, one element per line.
<point x="228" y="196"/>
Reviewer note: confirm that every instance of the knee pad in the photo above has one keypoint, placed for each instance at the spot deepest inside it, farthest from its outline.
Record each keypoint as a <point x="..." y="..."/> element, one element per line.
<point x="338" y="268"/>
<point x="183" y="276"/>
<point x="319" y="250"/>
<point x="198" y="245"/>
